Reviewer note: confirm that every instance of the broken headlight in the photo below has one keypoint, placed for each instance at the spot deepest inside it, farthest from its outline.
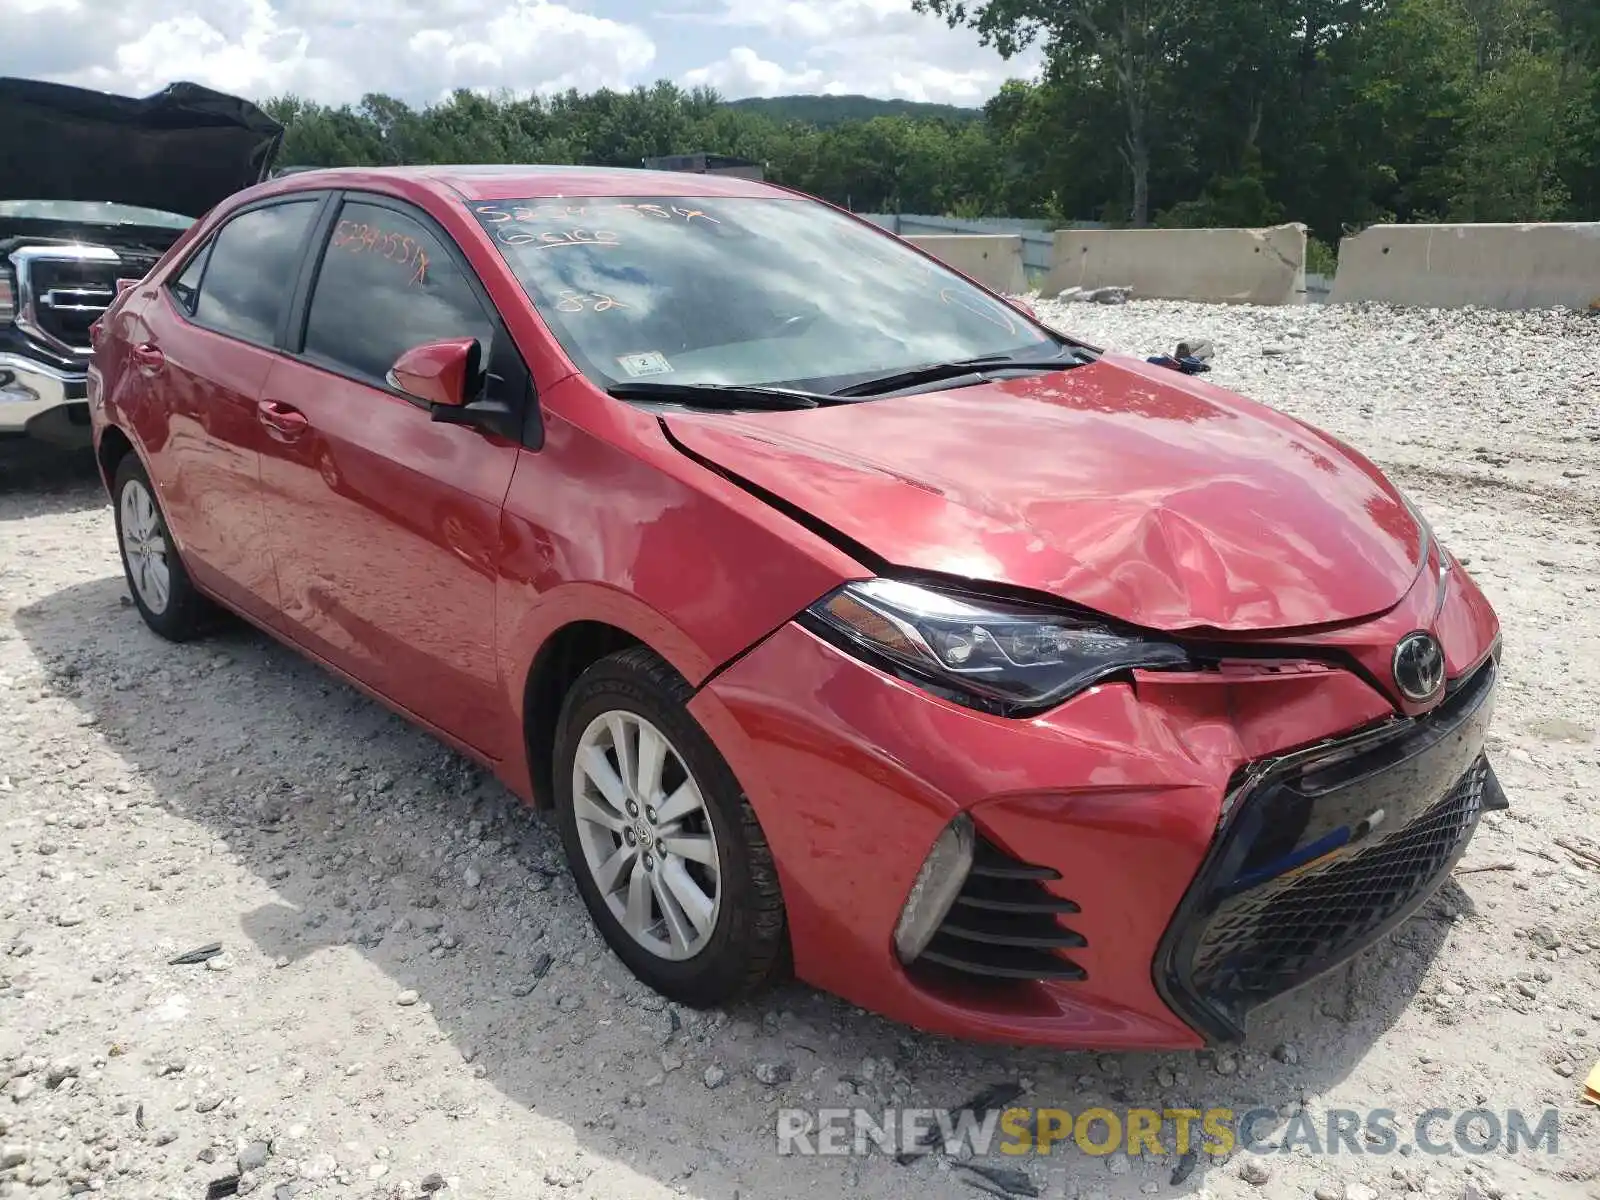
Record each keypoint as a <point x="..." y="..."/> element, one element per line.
<point x="994" y="655"/>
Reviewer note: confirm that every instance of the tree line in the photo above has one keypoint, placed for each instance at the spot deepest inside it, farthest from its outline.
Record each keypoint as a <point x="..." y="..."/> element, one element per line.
<point x="1337" y="113"/>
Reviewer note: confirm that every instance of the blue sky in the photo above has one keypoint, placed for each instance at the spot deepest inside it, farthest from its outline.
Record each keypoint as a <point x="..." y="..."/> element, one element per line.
<point x="334" y="50"/>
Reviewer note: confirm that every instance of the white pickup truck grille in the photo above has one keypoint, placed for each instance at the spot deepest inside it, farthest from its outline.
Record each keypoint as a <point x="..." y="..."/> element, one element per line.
<point x="63" y="289"/>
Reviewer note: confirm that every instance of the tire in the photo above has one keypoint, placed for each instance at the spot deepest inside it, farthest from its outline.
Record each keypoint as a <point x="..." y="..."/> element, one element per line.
<point x="739" y="947"/>
<point x="176" y="611"/>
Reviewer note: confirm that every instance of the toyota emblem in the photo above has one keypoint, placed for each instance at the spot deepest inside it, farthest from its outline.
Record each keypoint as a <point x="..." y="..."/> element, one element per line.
<point x="1419" y="667"/>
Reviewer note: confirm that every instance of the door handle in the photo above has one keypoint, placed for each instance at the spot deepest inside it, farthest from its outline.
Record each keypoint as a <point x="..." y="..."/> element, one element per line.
<point x="284" y="423"/>
<point x="149" y="358"/>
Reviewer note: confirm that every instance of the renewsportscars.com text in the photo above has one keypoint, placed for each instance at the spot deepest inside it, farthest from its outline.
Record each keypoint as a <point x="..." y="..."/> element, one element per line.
<point x="1136" y="1131"/>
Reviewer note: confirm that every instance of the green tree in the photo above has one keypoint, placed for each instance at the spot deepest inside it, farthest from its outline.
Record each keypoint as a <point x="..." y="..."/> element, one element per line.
<point x="1131" y="41"/>
<point x="1337" y="113"/>
<point x="1515" y="128"/>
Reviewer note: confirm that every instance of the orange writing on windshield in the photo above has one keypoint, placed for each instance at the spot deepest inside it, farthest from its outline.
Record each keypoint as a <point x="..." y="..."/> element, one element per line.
<point x="357" y="237"/>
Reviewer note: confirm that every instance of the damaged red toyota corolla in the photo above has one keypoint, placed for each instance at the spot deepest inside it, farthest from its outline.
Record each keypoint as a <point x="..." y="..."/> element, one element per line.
<point x="846" y="616"/>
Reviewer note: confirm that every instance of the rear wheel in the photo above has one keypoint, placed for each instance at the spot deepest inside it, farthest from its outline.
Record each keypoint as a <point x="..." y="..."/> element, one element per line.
<point x="665" y="848"/>
<point x="161" y="589"/>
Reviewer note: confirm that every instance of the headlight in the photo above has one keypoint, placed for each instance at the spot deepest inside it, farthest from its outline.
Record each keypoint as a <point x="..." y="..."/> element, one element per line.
<point x="989" y="654"/>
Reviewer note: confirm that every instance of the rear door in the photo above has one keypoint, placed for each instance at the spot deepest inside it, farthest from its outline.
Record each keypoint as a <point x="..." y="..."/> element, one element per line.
<point x="200" y="349"/>
<point x="384" y="524"/>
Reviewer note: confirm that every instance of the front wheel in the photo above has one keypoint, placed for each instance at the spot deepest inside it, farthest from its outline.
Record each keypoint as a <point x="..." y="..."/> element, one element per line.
<point x="665" y="848"/>
<point x="161" y="589"/>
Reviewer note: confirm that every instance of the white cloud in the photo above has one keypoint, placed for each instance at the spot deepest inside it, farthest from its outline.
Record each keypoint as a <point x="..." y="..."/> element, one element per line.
<point x="330" y="50"/>
<point x="743" y="72"/>
<point x="866" y="47"/>
<point x="834" y="20"/>
<point x="418" y="50"/>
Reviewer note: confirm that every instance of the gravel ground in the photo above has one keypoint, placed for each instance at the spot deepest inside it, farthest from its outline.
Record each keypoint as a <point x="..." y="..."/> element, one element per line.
<point x="410" y="997"/>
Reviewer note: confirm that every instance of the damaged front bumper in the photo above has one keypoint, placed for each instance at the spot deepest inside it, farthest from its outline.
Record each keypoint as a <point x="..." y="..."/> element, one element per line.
<point x="1151" y="860"/>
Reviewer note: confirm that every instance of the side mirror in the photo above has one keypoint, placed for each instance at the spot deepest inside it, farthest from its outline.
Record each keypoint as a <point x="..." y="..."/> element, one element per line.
<point x="444" y="373"/>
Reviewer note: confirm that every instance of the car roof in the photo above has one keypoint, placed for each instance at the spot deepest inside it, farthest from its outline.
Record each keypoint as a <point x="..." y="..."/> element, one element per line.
<point x="514" y="181"/>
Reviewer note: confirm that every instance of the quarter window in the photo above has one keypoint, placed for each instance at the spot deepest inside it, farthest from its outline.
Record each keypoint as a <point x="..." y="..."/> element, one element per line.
<point x="387" y="284"/>
<point x="247" y="284"/>
<point x="186" y="287"/>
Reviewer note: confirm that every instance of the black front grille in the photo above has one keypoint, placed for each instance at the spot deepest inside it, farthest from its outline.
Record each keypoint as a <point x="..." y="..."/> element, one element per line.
<point x="1005" y="924"/>
<point x="1323" y="853"/>
<point x="1262" y="942"/>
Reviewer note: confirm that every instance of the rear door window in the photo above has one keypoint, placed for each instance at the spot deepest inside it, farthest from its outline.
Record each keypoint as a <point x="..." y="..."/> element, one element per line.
<point x="387" y="284"/>
<point x="248" y="278"/>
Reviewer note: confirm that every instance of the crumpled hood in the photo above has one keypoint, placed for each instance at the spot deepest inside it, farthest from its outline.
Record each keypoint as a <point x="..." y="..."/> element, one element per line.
<point x="1124" y="487"/>
<point x="182" y="150"/>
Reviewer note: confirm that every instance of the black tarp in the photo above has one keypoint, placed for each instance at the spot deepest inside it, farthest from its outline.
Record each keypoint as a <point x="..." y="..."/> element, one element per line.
<point x="182" y="150"/>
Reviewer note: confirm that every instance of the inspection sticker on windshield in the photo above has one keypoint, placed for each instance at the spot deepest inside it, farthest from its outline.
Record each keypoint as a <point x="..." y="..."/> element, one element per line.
<point x="653" y="363"/>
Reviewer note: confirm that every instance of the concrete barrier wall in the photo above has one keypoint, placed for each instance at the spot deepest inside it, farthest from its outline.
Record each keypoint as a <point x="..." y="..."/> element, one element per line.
<point x="994" y="260"/>
<point x="1240" y="266"/>
<point x="1489" y="266"/>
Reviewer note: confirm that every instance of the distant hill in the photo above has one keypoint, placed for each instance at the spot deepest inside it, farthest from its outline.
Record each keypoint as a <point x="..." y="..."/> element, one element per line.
<point x="823" y="111"/>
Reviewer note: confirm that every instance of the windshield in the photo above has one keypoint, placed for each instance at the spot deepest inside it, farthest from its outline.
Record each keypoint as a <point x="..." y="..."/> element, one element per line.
<point x="691" y="290"/>
<point x="92" y="212"/>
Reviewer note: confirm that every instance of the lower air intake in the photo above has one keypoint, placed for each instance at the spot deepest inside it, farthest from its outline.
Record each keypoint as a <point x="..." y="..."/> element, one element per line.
<point x="1005" y="924"/>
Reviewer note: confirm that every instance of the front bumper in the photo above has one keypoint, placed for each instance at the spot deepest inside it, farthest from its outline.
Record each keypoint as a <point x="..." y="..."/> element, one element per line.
<point x="1322" y="853"/>
<point x="1100" y="823"/>
<point x="44" y="401"/>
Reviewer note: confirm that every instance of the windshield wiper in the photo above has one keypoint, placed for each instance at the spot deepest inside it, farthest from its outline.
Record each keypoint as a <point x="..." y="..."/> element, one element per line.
<point x="933" y="372"/>
<point x="721" y="395"/>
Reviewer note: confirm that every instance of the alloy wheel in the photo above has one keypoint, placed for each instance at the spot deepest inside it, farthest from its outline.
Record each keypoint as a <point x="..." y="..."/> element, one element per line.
<point x="647" y="839"/>
<point x="144" y="543"/>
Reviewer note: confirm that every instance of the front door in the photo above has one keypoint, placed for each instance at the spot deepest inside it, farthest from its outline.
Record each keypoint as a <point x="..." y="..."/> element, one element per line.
<point x="384" y="524"/>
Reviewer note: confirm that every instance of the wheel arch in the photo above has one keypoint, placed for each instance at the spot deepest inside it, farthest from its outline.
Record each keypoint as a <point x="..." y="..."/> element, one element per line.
<point x="113" y="447"/>
<point x="549" y="638"/>
<point x="564" y="655"/>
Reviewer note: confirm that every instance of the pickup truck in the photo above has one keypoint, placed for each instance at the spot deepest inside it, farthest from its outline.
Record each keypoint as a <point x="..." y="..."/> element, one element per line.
<point x="94" y="188"/>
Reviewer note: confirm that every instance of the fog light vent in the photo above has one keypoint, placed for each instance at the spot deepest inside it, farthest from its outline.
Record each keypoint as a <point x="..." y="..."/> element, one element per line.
<point x="1004" y="923"/>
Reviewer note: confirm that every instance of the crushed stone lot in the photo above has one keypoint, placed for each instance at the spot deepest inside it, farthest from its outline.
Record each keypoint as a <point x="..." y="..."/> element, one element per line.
<point x="410" y="998"/>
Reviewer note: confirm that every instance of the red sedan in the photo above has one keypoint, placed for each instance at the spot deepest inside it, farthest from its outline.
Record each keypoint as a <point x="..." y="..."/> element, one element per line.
<point x="850" y="621"/>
